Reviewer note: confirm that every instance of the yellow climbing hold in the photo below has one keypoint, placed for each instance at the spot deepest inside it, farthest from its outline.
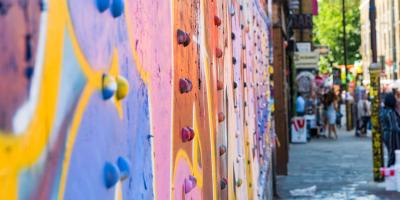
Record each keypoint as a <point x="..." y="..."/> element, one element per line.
<point x="122" y="87"/>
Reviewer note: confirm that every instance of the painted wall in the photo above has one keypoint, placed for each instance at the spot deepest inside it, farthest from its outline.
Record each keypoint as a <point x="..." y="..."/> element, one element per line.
<point x="117" y="99"/>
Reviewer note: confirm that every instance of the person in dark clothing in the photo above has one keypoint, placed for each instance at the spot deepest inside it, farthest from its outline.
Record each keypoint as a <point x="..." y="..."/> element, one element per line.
<point x="390" y="127"/>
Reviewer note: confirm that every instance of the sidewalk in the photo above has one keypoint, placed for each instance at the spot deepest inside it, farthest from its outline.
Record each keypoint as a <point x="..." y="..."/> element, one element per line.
<point x="339" y="169"/>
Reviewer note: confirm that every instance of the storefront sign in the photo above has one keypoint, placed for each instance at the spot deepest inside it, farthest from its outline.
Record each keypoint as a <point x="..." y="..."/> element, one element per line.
<point x="304" y="46"/>
<point x="301" y="21"/>
<point x="299" y="130"/>
<point x="306" y="60"/>
<point x="377" y="147"/>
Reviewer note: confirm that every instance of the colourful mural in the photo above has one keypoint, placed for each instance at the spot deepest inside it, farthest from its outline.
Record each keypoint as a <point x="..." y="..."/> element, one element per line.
<point x="117" y="99"/>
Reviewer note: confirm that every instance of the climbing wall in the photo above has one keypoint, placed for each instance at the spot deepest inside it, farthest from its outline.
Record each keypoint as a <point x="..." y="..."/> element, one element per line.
<point x="139" y="99"/>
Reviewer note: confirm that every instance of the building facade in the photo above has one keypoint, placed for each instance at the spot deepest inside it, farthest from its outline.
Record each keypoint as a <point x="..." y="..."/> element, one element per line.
<point x="387" y="33"/>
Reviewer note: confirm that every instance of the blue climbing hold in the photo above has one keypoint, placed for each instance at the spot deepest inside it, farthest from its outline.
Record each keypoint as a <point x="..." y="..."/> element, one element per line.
<point x="117" y="8"/>
<point x="124" y="167"/>
<point x="103" y="5"/>
<point x="111" y="174"/>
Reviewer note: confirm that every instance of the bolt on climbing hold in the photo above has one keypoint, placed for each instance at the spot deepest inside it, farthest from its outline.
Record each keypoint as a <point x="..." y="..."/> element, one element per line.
<point x="221" y="117"/>
<point x="187" y="134"/>
<point x="122" y="87"/>
<point x="117" y="8"/>
<point x="232" y="10"/>
<point x="111" y="174"/>
<point x="218" y="52"/>
<point x="124" y="167"/>
<point x="102" y="5"/>
<point x="109" y="86"/>
<point x="183" y="38"/>
<point x="220" y="85"/>
<point x="239" y="182"/>
<point x="222" y="150"/>
<point x="223" y="183"/>
<point x="233" y="36"/>
<point x="190" y="183"/>
<point x="217" y="21"/>
<point x="234" y="60"/>
<point x="234" y="85"/>
<point x="185" y="85"/>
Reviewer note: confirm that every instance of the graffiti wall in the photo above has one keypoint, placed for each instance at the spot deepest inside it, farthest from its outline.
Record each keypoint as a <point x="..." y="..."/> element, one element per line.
<point x="139" y="99"/>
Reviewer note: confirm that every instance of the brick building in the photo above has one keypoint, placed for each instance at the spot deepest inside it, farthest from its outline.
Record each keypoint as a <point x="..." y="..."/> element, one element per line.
<point x="388" y="36"/>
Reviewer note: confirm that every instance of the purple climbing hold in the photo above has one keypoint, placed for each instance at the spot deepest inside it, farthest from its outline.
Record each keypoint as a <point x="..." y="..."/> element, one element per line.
<point x="111" y="174"/>
<point x="103" y="5"/>
<point x="190" y="183"/>
<point x="124" y="167"/>
<point x="117" y="8"/>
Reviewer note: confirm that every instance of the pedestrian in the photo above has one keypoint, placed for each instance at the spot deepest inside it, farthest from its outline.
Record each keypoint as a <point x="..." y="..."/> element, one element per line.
<point x="300" y="106"/>
<point x="364" y="114"/>
<point x="390" y="127"/>
<point x="331" y="114"/>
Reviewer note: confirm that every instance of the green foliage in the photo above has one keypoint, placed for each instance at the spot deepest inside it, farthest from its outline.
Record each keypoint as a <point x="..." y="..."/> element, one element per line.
<point x="328" y="29"/>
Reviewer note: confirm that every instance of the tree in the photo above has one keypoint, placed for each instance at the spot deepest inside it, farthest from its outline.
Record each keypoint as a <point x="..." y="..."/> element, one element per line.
<point x="328" y="29"/>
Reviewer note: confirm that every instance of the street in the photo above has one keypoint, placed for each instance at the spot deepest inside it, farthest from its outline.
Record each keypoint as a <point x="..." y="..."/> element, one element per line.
<point x="339" y="169"/>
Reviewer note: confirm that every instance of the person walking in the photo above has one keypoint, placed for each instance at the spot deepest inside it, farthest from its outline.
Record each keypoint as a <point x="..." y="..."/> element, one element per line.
<point x="390" y="127"/>
<point x="331" y="115"/>
<point x="364" y="114"/>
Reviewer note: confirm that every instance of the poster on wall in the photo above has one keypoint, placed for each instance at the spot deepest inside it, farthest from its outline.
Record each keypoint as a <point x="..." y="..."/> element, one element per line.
<point x="299" y="130"/>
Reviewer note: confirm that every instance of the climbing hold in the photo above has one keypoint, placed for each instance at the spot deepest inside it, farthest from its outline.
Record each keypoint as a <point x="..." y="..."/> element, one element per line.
<point x="233" y="36"/>
<point x="183" y="38"/>
<point x="122" y="87"/>
<point x="222" y="150"/>
<point x="245" y="84"/>
<point x="190" y="183"/>
<point x="239" y="182"/>
<point x="124" y="167"/>
<point x="217" y="21"/>
<point x="221" y="117"/>
<point x="243" y="46"/>
<point x="223" y="183"/>
<point x="232" y="10"/>
<point x="185" y="85"/>
<point x="117" y="8"/>
<point x="220" y="85"/>
<point x="111" y="174"/>
<point x="244" y="65"/>
<point x="187" y="134"/>
<point x="109" y="86"/>
<point x="218" y="52"/>
<point x="29" y="72"/>
<point x="102" y="5"/>
<point x="234" y="60"/>
<point x="241" y="7"/>
<point x="234" y="85"/>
